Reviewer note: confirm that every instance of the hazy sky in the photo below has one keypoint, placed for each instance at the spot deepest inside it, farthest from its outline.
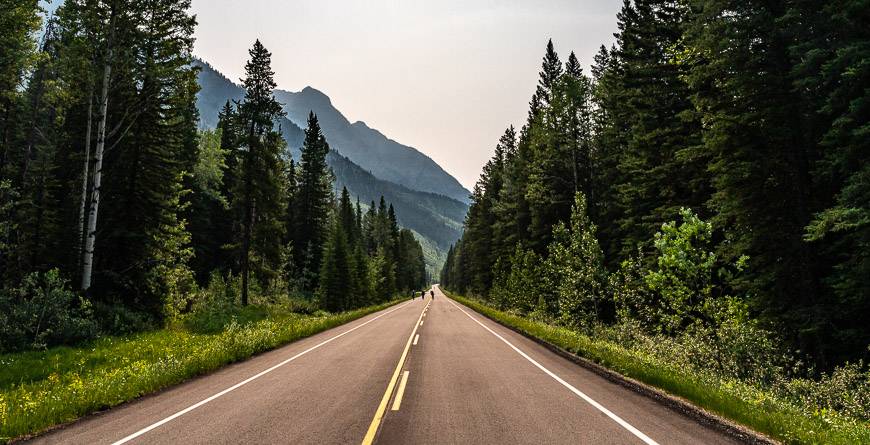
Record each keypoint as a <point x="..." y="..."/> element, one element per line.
<point x="444" y="76"/>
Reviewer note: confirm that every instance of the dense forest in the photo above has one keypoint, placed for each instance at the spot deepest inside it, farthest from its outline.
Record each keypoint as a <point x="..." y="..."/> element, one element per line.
<point x="712" y="169"/>
<point x="117" y="214"/>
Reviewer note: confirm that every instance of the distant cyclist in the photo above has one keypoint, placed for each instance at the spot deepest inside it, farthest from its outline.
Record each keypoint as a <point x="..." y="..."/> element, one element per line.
<point x="422" y="295"/>
<point x="432" y="293"/>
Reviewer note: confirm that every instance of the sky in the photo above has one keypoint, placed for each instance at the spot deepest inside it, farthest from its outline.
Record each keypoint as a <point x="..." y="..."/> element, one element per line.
<point x="444" y="76"/>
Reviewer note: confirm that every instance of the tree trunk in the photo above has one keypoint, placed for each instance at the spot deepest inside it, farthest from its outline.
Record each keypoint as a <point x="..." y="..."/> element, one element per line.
<point x="249" y="216"/>
<point x="7" y="109"/>
<point x="85" y="178"/>
<point x="88" y="261"/>
<point x="246" y="250"/>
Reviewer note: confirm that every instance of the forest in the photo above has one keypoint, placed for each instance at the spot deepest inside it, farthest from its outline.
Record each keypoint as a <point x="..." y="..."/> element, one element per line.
<point x="118" y="214"/>
<point x="706" y="187"/>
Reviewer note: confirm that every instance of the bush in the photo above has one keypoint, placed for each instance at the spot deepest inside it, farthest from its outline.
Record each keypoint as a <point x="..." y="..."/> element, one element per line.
<point x="684" y="272"/>
<point x="42" y="311"/>
<point x="846" y="391"/>
<point x="117" y="319"/>
<point x="576" y="266"/>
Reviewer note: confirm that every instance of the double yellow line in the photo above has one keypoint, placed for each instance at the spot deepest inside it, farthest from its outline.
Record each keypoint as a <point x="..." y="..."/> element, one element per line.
<point x="382" y="408"/>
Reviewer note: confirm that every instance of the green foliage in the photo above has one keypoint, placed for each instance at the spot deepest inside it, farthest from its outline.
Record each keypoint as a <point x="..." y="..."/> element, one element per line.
<point x="773" y="155"/>
<point x="42" y="311"/>
<point x="313" y="201"/>
<point x="682" y="279"/>
<point x="337" y="275"/>
<point x="576" y="269"/>
<point x="258" y="198"/>
<point x="523" y="286"/>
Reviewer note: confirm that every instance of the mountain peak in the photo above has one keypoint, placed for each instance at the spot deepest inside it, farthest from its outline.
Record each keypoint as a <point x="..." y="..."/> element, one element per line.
<point x="315" y="94"/>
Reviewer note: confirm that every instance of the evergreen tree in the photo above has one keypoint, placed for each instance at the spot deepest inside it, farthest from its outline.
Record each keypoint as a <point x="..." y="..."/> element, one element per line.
<point x="761" y="152"/>
<point x="336" y="275"/>
<point x="660" y="168"/>
<point x="19" y="21"/>
<point x="832" y="44"/>
<point x="312" y="202"/>
<point x="258" y="194"/>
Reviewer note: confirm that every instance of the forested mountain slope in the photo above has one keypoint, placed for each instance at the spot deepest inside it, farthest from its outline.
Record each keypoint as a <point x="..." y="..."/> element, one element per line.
<point x="369" y="148"/>
<point x="436" y="217"/>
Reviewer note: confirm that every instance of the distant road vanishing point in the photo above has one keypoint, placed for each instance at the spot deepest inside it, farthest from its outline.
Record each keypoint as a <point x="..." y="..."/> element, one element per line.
<point x="423" y="372"/>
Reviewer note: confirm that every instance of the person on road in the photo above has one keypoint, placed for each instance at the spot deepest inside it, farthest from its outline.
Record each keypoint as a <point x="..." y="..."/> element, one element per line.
<point x="422" y="295"/>
<point x="432" y="292"/>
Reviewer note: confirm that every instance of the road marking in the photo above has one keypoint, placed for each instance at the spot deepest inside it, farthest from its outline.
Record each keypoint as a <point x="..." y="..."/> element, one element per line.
<point x="421" y="322"/>
<point x="246" y="381"/>
<point x="397" y="402"/>
<point x="382" y="408"/>
<point x="417" y="337"/>
<point x="583" y="396"/>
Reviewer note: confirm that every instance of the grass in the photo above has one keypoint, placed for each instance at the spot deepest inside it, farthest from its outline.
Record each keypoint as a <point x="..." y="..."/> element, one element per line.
<point x="734" y="400"/>
<point x="39" y="389"/>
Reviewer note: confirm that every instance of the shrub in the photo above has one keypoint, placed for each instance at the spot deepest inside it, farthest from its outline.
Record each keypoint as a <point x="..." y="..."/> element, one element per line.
<point x="576" y="265"/>
<point x="43" y="311"/>
<point x="522" y="285"/>
<point x="684" y="272"/>
<point x="117" y="319"/>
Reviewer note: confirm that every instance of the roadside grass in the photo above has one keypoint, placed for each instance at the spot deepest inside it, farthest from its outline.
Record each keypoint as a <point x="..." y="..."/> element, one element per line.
<point x="753" y="407"/>
<point x="39" y="389"/>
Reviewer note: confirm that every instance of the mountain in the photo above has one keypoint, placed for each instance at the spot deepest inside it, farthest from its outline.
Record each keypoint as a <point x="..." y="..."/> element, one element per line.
<point x="435" y="217"/>
<point x="369" y="148"/>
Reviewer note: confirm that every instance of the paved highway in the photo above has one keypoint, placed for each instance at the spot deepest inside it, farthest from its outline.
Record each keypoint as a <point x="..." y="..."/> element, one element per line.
<point x="422" y="372"/>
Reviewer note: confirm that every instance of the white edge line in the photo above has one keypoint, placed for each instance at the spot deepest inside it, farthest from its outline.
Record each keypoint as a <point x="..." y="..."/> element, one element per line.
<point x="244" y="382"/>
<point x="583" y="396"/>
<point x="416" y="338"/>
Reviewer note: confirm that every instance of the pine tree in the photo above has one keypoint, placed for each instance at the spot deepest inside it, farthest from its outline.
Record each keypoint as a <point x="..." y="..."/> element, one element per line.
<point x="832" y="44"/>
<point x="761" y="153"/>
<point x="336" y="274"/>
<point x="660" y="166"/>
<point x="547" y="181"/>
<point x="258" y="194"/>
<point x="19" y="21"/>
<point x="313" y="201"/>
<point x="610" y="123"/>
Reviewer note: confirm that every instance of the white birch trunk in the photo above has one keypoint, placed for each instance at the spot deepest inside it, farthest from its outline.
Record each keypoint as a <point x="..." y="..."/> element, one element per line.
<point x="88" y="261"/>
<point x="85" y="178"/>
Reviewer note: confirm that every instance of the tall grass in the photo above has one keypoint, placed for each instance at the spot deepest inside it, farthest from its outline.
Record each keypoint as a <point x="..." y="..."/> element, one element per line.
<point x="757" y="408"/>
<point x="39" y="389"/>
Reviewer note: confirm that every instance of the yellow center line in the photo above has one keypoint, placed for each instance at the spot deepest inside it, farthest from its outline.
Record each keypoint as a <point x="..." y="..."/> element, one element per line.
<point x="385" y="400"/>
<point x="397" y="402"/>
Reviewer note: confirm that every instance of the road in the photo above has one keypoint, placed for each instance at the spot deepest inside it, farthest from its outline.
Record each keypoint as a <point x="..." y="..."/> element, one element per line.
<point x="422" y="372"/>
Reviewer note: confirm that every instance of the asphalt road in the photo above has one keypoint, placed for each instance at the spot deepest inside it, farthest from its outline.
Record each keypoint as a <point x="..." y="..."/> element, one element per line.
<point x="423" y="372"/>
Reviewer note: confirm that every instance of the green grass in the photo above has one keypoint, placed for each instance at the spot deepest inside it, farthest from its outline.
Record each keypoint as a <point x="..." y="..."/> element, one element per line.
<point x="39" y="389"/>
<point x="743" y="404"/>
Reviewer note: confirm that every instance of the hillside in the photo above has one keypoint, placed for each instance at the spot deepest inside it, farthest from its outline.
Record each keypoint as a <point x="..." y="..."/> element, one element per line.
<point x="436" y="219"/>
<point x="369" y="148"/>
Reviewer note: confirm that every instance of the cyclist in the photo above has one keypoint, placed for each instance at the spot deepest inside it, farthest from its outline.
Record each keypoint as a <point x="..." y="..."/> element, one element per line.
<point x="432" y="293"/>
